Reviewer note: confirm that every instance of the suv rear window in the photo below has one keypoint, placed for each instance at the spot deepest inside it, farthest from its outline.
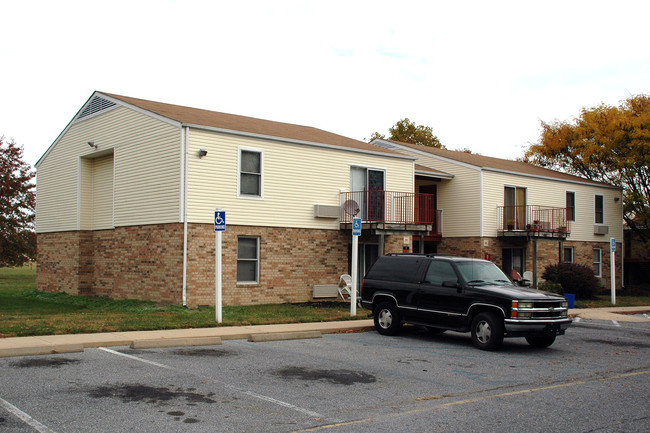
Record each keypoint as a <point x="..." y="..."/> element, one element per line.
<point x="396" y="268"/>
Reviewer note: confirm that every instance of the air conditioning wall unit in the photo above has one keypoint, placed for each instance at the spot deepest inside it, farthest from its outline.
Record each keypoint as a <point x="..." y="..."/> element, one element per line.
<point x="326" y="211"/>
<point x="601" y="230"/>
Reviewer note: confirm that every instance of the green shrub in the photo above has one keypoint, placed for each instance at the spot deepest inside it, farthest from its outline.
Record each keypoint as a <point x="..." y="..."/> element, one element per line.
<point x="574" y="278"/>
<point x="550" y="286"/>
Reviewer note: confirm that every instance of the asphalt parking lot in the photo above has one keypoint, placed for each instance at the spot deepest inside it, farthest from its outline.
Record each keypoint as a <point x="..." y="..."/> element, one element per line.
<point x="595" y="378"/>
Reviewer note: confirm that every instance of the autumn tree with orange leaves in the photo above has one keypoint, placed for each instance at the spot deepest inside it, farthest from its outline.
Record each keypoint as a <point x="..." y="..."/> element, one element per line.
<point x="606" y="144"/>
<point x="17" y="199"/>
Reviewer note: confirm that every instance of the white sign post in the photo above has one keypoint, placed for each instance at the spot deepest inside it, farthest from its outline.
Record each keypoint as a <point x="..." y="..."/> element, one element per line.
<point x="612" y="266"/>
<point x="219" y="228"/>
<point x="356" y="232"/>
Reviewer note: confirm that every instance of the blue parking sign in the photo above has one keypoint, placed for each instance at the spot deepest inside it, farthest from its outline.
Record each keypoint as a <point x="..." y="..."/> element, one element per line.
<point x="220" y="221"/>
<point x="356" y="226"/>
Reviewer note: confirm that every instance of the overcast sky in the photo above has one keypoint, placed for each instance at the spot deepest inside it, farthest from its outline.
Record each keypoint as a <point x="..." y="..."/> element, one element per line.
<point x="481" y="74"/>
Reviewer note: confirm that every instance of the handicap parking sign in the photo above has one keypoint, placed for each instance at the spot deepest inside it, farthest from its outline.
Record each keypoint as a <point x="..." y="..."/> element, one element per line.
<point x="356" y="226"/>
<point x="220" y="221"/>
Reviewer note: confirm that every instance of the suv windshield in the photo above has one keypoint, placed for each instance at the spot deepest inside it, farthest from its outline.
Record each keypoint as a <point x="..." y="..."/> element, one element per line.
<point x="482" y="273"/>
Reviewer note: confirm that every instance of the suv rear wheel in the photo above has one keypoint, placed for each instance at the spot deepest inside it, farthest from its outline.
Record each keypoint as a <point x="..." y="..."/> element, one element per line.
<point x="387" y="318"/>
<point x="487" y="331"/>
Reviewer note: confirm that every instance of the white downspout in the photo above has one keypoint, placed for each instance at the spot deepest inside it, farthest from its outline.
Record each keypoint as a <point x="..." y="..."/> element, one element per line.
<point x="481" y="232"/>
<point x="184" y="144"/>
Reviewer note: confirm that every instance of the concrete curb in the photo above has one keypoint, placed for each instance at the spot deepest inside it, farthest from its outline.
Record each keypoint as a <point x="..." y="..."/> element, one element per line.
<point x="41" y="350"/>
<point x="51" y="344"/>
<point x="277" y="336"/>
<point x="175" y="342"/>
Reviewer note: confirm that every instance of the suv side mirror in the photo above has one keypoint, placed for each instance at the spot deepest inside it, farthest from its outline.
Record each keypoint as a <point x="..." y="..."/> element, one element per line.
<point x="451" y="283"/>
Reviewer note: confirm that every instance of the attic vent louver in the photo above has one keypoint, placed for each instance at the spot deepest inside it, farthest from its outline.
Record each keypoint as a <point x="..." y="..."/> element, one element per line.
<point x="385" y="145"/>
<point x="95" y="106"/>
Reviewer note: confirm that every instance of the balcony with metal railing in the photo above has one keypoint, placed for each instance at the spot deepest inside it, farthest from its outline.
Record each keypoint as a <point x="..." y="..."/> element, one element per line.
<point x="533" y="221"/>
<point x="390" y="211"/>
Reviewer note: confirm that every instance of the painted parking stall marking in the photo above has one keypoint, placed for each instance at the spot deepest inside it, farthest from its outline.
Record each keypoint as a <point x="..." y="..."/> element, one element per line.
<point x="27" y="419"/>
<point x="227" y="385"/>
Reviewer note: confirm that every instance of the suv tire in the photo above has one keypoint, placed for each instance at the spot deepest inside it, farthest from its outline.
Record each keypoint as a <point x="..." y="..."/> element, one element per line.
<point x="387" y="318"/>
<point x="487" y="331"/>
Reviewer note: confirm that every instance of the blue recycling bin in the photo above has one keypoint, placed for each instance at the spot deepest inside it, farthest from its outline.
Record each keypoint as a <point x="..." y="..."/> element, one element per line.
<point x="571" y="298"/>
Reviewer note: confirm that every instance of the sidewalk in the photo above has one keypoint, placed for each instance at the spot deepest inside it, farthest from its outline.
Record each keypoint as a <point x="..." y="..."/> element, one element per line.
<point x="48" y="344"/>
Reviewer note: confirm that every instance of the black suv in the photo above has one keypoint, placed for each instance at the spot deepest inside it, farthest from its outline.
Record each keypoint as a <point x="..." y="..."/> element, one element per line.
<point x="460" y="294"/>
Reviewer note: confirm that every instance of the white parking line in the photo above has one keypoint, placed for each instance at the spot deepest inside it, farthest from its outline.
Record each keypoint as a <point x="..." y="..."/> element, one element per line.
<point x="115" y="352"/>
<point x="25" y="417"/>
<point x="234" y="388"/>
<point x="618" y="325"/>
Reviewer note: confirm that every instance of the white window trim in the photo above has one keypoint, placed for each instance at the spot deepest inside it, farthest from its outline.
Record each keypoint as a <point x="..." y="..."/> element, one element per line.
<point x="246" y="196"/>
<point x="600" y="263"/>
<point x="575" y="210"/>
<point x="257" y="268"/>
<point x="594" y="202"/>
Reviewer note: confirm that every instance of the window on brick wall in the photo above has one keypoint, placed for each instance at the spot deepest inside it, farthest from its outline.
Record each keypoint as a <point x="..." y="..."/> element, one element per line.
<point x="248" y="260"/>
<point x="598" y="256"/>
<point x="568" y="254"/>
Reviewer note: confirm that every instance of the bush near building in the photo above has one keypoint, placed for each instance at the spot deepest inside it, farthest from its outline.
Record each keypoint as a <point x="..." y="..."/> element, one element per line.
<point x="574" y="278"/>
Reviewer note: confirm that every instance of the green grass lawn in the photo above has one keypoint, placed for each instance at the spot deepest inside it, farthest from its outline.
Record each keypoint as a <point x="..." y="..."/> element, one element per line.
<point x="25" y="311"/>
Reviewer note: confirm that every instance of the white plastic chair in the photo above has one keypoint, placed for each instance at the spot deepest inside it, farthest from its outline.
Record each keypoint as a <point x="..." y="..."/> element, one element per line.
<point x="345" y="286"/>
<point x="528" y="276"/>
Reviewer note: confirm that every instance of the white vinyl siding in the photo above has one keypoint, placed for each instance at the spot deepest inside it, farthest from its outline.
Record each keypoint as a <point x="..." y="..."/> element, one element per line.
<point x="295" y="178"/>
<point x="96" y="186"/>
<point x="547" y="192"/>
<point x="458" y="198"/>
<point x="146" y="172"/>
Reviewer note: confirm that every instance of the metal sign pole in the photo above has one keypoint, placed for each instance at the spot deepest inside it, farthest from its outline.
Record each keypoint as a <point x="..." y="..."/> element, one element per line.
<point x="218" y="288"/>
<point x="219" y="228"/>
<point x="612" y="266"/>
<point x="356" y="232"/>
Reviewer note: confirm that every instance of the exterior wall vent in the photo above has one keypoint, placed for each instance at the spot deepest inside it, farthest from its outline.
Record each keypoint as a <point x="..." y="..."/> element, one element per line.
<point x="385" y="145"/>
<point x="96" y="105"/>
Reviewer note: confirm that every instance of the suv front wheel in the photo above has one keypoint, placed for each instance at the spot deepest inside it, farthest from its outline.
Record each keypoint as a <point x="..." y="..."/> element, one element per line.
<point x="487" y="331"/>
<point x="387" y="318"/>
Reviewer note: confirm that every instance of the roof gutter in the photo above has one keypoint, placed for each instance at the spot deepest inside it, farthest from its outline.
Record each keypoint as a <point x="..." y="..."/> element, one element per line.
<point x="293" y="141"/>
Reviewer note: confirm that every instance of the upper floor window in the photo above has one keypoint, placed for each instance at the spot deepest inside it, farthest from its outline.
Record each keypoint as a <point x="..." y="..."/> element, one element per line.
<point x="251" y="163"/>
<point x="599" y="213"/>
<point x="570" y="206"/>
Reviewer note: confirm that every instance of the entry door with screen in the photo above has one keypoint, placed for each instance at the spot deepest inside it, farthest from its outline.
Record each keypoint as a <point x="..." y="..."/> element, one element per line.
<point x="368" y="188"/>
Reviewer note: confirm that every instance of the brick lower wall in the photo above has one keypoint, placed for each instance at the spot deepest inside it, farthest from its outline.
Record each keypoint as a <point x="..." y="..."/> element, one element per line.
<point x="548" y="252"/>
<point x="140" y="262"/>
<point x="291" y="262"/>
<point x="146" y="262"/>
